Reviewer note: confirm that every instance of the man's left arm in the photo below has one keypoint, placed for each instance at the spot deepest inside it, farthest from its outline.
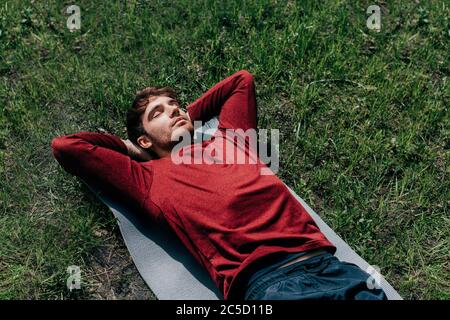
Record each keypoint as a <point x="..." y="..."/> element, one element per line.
<point x="232" y="99"/>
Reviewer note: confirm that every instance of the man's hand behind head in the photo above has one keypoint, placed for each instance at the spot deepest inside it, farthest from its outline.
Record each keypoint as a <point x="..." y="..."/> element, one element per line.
<point x="136" y="152"/>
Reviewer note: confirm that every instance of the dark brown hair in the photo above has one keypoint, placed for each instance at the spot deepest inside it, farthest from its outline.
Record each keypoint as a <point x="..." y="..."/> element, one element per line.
<point x="134" y="115"/>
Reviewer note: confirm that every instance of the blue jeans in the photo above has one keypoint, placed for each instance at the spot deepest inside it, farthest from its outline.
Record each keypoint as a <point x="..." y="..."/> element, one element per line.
<point x="321" y="277"/>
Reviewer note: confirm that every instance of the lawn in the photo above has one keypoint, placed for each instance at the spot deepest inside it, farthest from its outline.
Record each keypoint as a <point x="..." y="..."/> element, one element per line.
<point x="363" y="118"/>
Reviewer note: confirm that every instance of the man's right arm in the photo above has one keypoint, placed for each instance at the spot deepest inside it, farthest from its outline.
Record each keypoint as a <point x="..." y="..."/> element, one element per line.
<point x="102" y="160"/>
<point x="135" y="152"/>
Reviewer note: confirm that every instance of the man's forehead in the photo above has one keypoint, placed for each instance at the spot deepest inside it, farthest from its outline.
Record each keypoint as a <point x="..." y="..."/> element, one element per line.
<point x="155" y="100"/>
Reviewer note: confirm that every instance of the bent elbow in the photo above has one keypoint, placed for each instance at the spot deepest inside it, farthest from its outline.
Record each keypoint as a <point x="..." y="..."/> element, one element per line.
<point x="245" y="78"/>
<point x="246" y="75"/>
<point x="61" y="146"/>
<point x="59" y="149"/>
<point x="58" y="145"/>
<point x="64" y="149"/>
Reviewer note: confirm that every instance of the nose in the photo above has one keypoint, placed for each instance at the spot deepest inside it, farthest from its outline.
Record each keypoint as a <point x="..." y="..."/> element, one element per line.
<point x="174" y="111"/>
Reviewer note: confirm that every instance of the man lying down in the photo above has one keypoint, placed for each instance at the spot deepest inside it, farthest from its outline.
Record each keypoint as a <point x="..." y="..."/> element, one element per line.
<point x="254" y="238"/>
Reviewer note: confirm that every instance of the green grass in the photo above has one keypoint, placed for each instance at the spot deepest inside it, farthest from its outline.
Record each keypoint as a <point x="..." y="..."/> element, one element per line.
<point x="363" y="119"/>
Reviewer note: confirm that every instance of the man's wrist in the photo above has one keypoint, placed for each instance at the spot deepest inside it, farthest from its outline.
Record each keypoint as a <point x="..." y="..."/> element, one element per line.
<point x="126" y="142"/>
<point x="136" y="152"/>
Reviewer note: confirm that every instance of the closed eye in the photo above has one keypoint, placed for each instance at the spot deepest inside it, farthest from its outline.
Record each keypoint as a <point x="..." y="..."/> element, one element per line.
<point x="154" y="112"/>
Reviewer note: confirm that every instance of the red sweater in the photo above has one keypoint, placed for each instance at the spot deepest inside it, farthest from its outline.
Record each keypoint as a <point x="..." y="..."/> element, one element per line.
<point x="229" y="216"/>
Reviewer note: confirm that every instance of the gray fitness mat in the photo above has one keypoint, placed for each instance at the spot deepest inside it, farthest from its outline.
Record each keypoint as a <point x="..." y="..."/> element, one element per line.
<point x="172" y="272"/>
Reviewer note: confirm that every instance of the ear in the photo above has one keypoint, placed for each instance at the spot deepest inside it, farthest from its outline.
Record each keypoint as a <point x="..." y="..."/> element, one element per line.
<point x="144" y="142"/>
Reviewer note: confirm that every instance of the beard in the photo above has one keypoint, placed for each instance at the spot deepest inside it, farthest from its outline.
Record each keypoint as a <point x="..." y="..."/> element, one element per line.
<point x="181" y="135"/>
<point x="167" y="140"/>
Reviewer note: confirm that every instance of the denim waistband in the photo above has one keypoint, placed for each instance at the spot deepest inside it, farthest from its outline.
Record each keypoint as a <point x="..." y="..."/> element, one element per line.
<point x="273" y="265"/>
<point x="270" y="273"/>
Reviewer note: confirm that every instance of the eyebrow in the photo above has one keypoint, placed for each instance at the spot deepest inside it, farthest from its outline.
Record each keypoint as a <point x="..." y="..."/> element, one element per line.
<point x="157" y="106"/>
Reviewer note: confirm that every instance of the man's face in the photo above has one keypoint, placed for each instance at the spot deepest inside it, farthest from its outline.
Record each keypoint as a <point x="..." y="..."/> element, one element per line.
<point x="164" y="122"/>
